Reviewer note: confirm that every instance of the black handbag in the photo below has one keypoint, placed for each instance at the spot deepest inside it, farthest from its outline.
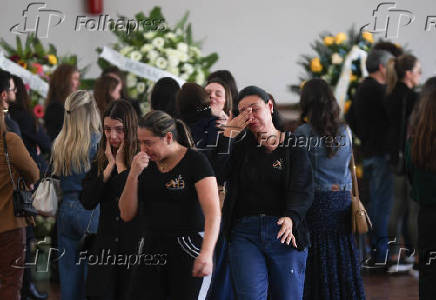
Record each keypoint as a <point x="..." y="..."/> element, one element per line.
<point x="21" y="198"/>
<point x="88" y="238"/>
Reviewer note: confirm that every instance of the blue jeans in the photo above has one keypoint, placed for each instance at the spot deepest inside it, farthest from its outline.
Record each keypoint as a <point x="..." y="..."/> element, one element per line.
<point x="72" y="222"/>
<point x="221" y="287"/>
<point x="258" y="260"/>
<point x="380" y="180"/>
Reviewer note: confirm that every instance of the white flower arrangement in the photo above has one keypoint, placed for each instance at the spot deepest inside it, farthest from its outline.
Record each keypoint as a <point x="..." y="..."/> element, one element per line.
<point x="166" y="48"/>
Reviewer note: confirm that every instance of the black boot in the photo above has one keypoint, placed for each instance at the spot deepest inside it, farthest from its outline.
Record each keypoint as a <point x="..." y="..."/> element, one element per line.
<point x="33" y="293"/>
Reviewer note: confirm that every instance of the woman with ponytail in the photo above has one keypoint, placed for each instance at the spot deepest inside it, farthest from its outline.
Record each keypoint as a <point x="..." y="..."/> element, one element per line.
<point x="333" y="270"/>
<point x="403" y="75"/>
<point x="172" y="187"/>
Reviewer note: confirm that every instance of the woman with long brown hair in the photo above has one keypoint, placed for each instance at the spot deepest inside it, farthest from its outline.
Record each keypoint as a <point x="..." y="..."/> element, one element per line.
<point x="421" y="165"/>
<point x="64" y="80"/>
<point x="333" y="270"/>
<point x="103" y="185"/>
<point x="106" y="90"/>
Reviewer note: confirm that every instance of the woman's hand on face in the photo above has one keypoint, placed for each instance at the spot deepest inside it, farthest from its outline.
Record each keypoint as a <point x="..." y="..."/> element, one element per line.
<point x="139" y="163"/>
<point x="203" y="265"/>
<point x="119" y="158"/>
<point x="285" y="232"/>
<point x="108" y="152"/>
<point x="235" y="125"/>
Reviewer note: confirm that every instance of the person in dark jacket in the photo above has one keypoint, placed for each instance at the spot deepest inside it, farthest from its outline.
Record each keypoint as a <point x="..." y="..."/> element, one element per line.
<point x="421" y="167"/>
<point x="103" y="184"/>
<point x="34" y="136"/>
<point x="269" y="191"/>
<point x="64" y="80"/>
<point x="193" y="107"/>
<point x="368" y="119"/>
<point x="403" y="74"/>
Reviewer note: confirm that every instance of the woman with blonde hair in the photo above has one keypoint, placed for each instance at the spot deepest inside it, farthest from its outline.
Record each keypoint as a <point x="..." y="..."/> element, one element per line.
<point x="73" y="151"/>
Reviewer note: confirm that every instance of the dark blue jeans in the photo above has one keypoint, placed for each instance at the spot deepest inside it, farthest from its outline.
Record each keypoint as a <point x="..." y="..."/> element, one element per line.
<point x="72" y="222"/>
<point x="380" y="180"/>
<point x="259" y="260"/>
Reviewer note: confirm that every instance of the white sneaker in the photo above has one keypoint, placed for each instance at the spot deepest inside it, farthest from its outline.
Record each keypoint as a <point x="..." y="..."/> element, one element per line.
<point x="400" y="267"/>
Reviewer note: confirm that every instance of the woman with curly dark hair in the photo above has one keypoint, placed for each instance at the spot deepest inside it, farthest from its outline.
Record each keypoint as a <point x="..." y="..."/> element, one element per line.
<point x="333" y="270"/>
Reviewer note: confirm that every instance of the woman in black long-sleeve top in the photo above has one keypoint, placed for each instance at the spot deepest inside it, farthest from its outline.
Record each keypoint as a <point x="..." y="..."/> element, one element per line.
<point x="110" y="260"/>
<point x="34" y="136"/>
<point x="269" y="190"/>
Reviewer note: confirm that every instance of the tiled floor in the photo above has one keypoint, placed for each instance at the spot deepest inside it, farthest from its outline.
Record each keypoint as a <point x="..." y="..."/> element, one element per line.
<point x="378" y="287"/>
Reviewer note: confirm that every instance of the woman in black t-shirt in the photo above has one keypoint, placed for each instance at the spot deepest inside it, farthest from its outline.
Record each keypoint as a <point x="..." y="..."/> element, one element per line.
<point x="171" y="186"/>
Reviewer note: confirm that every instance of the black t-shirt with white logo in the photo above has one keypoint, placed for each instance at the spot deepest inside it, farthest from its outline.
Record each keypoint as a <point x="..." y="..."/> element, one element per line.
<point x="168" y="201"/>
<point x="262" y="183"/>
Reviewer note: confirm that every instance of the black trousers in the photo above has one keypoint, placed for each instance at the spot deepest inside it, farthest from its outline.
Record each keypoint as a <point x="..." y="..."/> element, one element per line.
<point x="427" y="252"/>
<point x="164" y="271"/>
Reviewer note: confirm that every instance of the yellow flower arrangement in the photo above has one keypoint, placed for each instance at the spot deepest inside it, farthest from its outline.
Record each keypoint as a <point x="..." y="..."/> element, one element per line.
<point x="329" y="40"/>
<point x="315" y="65"/>
<point x="367" y="36"/>
<point x="340" y="38"/>
<point x="52" y="59"/>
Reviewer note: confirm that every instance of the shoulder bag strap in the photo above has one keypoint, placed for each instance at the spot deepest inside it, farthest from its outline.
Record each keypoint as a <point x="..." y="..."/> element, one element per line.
<point x="353" y="166"/>
<point x="5" y="147"/>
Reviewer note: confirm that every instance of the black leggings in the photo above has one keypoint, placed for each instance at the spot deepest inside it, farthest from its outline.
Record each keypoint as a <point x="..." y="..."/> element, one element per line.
<point x="165" y="271"/>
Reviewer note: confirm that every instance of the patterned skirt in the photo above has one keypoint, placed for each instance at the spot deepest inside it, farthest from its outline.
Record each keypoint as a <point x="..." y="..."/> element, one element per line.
<point x="332" y="268"/>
